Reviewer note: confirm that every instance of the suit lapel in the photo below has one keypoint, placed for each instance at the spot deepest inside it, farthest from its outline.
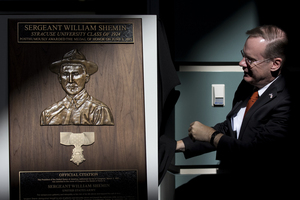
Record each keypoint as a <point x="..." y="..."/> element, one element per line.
<point x="238" y="105"/>
<point x="269" y="95"/>
<point x="240" y="100"/>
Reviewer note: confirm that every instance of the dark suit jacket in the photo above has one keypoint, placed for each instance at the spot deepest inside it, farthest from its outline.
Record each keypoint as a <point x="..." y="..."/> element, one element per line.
<point x="263" y="132"/>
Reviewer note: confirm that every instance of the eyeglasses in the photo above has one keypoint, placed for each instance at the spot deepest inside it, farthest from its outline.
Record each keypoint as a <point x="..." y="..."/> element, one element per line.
<point x="252" y="62"/>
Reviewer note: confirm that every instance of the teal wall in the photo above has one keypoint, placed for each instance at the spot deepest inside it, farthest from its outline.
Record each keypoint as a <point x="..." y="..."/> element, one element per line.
<point x="197" y="41"/>
<point x="195" y="104"/>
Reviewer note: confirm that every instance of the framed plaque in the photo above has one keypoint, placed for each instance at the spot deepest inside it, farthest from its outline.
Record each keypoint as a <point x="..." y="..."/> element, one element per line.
<point x="77" y="123"/>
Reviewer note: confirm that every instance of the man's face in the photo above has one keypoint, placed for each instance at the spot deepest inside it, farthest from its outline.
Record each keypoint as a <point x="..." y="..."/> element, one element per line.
<point x="259" y="73"/>
<point x="73" y="77"/>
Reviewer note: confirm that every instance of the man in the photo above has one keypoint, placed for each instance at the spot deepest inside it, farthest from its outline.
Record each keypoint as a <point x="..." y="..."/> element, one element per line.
<point x="252" y="137"/>
<point x="78" y="107"/>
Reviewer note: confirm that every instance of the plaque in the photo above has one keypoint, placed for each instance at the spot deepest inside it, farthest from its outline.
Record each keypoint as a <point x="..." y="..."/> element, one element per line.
<point x="76" y="104"/>
<point x="75" y="32"/>
<point x="100" y="185"/>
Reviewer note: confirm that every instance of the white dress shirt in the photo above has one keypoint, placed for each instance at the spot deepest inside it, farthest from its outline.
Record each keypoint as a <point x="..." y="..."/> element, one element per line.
<point x="237" y="119"/>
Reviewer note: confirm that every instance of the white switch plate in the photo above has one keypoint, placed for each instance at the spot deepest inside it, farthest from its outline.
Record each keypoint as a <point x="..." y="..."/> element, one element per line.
<point x="218" y="94"/>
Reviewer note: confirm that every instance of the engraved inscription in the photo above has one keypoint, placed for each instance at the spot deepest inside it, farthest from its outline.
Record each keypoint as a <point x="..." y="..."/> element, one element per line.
<point x="75" y="32"/>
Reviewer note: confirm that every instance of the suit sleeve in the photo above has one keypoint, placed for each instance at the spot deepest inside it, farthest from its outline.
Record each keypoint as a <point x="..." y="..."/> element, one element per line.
<point x="196" y="148"/>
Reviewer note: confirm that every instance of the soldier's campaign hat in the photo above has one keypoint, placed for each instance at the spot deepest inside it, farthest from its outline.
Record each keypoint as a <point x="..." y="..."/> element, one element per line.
<point x="74" y="56"/>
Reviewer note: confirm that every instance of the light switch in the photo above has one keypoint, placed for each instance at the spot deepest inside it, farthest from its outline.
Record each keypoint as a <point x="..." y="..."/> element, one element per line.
<point x="218" y="94"/>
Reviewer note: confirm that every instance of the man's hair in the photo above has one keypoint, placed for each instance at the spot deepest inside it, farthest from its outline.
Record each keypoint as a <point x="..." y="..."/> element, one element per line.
<point x="275" y="37"/>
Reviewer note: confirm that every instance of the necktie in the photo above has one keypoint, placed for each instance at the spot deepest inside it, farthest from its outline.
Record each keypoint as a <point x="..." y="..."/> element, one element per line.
<point x="251" y="101"/>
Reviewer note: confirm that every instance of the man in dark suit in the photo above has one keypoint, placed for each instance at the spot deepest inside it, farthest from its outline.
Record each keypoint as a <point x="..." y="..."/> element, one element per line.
<point x="252" y="137"/>
<point x="254" y="140"/>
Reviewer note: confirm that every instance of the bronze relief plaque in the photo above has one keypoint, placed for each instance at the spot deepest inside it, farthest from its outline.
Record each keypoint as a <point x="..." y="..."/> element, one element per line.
<point x="78" y="107"/>
<point x="76" y="98"/>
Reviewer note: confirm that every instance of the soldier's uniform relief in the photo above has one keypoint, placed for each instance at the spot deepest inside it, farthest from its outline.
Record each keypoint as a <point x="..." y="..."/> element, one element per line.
<point x="77" y="107"/>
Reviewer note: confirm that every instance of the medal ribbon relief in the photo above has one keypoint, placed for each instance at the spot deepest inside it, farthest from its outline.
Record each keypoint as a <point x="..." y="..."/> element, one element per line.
<point x="77" y="139"/>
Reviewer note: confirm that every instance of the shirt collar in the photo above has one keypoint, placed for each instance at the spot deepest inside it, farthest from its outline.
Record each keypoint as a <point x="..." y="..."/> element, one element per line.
<point x="78" y="99"/>
<point x="263" y="89"/>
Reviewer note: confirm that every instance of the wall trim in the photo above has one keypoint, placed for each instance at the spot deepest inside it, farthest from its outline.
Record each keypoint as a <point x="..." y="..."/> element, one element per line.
<point x="213" y="68"/>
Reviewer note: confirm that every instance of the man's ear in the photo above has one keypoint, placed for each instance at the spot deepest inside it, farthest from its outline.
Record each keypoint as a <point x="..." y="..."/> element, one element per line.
<point x="87" y="78"/>
<point x="59" y="78"/>
<point x="276" y="64"/>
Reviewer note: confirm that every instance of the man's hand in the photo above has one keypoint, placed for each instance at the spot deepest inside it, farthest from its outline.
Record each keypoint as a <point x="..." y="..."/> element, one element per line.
<point x="180" y="147"/>
<point x="201" y="132"/>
